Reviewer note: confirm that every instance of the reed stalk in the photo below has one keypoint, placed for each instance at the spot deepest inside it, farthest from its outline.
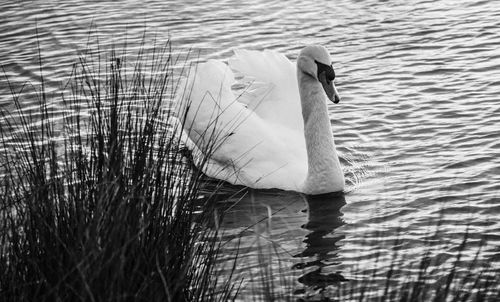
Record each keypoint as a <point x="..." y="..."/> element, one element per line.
<point x="97" y="203"/>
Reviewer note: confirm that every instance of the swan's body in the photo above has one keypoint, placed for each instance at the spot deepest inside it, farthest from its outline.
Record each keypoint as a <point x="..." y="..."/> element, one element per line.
<point x="274" y="133"/>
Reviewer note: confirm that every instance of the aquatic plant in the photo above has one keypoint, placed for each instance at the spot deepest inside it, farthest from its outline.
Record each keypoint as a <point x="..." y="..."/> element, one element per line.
<point x="97" y="201"/>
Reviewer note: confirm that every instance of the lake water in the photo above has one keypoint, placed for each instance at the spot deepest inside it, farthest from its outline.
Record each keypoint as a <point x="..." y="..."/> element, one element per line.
<point x="417" y="130"/>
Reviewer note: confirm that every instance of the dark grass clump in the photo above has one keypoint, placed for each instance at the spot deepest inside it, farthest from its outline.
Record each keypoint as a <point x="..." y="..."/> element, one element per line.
<point x="97" y="202"/>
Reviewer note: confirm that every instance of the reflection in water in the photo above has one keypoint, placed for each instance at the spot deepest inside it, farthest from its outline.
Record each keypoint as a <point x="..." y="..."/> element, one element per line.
<point x="324" y="217"/>
<point x="271" y="227"/>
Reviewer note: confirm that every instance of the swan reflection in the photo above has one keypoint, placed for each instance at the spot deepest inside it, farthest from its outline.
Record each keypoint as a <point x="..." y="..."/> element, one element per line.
<point x="271" y="228"/>
<point x="324" y="217"/>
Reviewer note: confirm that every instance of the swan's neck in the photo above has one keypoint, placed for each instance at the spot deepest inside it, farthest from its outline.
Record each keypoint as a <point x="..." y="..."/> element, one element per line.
<point x="324" y="173"/>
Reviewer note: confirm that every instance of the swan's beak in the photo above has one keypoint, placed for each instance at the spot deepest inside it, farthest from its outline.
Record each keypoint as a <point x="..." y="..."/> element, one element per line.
<point x="329" y="87"/>
<point x="336" y="94"/>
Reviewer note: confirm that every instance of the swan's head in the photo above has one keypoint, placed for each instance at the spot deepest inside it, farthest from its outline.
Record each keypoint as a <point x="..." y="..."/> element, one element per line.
<point x="315" y="61"/>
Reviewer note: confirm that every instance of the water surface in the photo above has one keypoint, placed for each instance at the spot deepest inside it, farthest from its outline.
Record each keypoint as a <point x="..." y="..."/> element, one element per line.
<point x="417" y="129"/>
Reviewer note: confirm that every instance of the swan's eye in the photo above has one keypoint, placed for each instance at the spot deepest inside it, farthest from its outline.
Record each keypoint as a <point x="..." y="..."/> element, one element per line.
<point x="330" y="73"/>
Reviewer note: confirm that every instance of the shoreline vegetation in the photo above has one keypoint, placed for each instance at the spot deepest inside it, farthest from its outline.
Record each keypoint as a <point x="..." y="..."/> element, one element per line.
<point x="100" y="205"/>
<point x="100" y="202"/>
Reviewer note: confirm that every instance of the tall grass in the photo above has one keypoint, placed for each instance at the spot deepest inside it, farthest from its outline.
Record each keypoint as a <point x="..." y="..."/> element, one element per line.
<point x="97" y="201"/>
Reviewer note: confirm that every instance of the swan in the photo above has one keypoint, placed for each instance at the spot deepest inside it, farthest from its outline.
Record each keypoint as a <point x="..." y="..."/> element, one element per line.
<point x="262" y="122"/>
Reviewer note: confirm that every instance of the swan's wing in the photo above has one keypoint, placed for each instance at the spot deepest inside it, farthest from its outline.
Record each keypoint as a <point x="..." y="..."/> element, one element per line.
<point x="238" y="144"/>
<point x="274" y="93"/>
<point x="206" y="104"/>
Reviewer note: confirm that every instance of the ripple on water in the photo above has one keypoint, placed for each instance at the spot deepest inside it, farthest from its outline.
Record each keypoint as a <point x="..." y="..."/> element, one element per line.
<point x="417" y="129"/>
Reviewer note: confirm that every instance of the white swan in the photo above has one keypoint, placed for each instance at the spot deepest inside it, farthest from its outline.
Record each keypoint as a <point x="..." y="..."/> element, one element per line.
<point x="272" y="131"/>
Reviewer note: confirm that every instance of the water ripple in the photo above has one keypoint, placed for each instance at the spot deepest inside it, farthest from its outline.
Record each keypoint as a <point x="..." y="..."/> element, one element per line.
<point x="417" y="130"/>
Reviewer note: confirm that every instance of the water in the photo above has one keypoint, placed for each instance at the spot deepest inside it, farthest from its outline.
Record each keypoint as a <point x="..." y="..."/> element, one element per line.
<point x="417" y="129"/>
